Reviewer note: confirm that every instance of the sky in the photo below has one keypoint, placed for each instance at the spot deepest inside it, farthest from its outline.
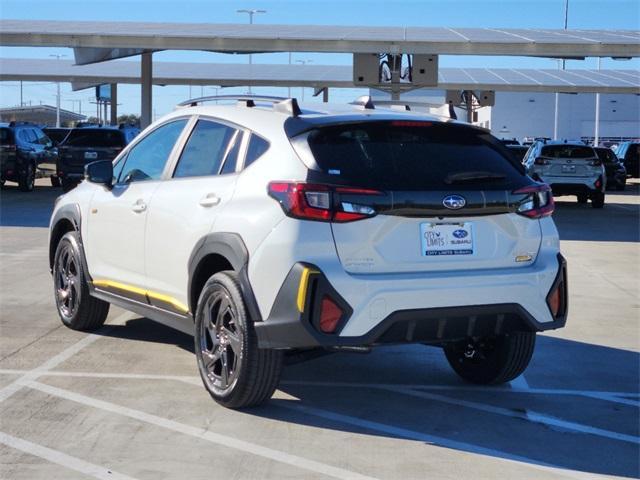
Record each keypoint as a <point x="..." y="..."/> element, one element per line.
<point x="583" y="14"/>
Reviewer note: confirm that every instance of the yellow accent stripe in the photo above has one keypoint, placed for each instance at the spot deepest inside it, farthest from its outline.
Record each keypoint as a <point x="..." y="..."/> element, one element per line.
<point x="141" y="291"/>
<point x="302" y="287"/>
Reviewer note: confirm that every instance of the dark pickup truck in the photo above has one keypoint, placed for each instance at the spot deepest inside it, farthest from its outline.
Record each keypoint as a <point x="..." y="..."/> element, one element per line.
<point x="88" y="144"/>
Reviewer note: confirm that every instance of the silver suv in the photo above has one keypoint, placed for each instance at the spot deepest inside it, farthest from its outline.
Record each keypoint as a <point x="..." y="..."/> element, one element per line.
<point x="570" y="168"/>
<point x="267" y="230"/>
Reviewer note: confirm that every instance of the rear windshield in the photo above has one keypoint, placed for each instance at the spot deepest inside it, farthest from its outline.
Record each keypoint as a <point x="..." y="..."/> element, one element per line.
<point x="6" y="136"/>
<point x="82" y="137"/>
<point x="401" y="155"/>
<point x="567" y="151"/>
<point x="56" y="135"/>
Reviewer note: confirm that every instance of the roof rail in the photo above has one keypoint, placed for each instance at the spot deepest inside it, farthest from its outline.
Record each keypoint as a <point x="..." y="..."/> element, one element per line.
<point x="280" y="104"/>
<point x="367" y="102"/>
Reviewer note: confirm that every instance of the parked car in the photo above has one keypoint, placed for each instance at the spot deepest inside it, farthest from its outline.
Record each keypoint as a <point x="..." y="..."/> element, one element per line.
<point x="569" y="168"/>
<point x="275" y="230"/>
<point x="87" y="144"/>
<point x="629" y="154"/>
<point x="614" y="168"/>
<point x="26" y="153"/>
<point x="509" y="141"/>
<point x="518" y="151"/>
<point x="57" y="135"/>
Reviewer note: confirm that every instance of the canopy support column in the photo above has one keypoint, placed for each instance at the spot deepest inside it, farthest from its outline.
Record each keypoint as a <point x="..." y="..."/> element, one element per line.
<point x="146" y="73"/>
<point x="114" y="104"/>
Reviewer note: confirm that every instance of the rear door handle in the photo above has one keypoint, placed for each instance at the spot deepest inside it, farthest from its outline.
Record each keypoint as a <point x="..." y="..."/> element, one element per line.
<point x="139" y="206"/>
<point x="210" y="200"/>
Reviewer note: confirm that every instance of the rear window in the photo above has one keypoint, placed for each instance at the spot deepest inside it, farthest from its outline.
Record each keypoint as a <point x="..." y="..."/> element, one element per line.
<point x="401" y="155"/>
<point x="567" y="151"/>
<point x="95" y="138"/>
<point x="6" y="136"/>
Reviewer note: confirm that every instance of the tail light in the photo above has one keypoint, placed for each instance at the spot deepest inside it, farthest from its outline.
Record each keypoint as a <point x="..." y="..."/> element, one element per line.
<point x="542" y="161"/>
<point x="330" y="315"/>
<point x="320" y="202"/>
<point x="598" y="183"/>
<point x="538" y="203"/>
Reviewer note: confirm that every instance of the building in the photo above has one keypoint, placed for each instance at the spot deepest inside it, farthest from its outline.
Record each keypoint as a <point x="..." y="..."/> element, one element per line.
<point x="39" y="114"/>
<point x="518" y="115"/>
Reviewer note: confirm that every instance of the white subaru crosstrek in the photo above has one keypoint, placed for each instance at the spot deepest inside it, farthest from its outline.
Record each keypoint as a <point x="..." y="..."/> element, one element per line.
<point x="267" y="230"/>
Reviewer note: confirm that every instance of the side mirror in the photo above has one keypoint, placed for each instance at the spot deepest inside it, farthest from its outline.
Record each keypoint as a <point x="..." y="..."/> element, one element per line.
<point x="99" y="172"/>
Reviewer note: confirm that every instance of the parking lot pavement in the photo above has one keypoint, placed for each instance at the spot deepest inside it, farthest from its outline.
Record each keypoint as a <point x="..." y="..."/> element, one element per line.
<point x="126" y="401"/>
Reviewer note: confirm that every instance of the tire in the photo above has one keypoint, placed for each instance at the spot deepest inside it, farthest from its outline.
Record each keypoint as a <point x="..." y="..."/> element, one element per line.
<point x="27" y="180"/>
<point x="235" y="372"/>
<point x="68" y="185"/>
<point x="55" y="181"/>
<point x="597" y="200"/>
<point x="492" y="361"/>
<point x="583" y="198"/>
<point x="77" y="309"/>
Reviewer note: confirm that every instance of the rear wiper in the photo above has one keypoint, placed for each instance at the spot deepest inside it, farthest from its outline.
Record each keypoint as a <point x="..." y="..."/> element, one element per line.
<point x="468" y="177"/>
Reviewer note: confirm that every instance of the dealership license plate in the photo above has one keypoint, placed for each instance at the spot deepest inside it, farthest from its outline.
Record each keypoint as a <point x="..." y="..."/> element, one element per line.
<point x="446" y="239"/>
<point x="568" y="169"/>
<point x="90" y="155"/>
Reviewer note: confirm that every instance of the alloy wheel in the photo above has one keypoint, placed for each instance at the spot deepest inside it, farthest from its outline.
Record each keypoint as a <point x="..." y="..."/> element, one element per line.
<point x="67" y="282"/>
<point x="220" y="341"/>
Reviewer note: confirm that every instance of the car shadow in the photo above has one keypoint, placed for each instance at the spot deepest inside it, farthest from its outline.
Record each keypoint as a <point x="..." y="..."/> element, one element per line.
<point x="27" y="209"/>
<point x="410" y="393"/>
<point x="144" y="329"/>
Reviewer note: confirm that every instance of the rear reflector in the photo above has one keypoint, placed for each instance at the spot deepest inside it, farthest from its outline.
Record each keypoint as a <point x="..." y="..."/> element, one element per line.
<point x="554" y="302"/>
<point x="330" y="315"/>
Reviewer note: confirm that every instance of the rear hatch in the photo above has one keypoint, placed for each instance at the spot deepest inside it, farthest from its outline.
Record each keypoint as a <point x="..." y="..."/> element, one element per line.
<point x="568" y="161"/>
<point x="86" y="145"/>
<point x="440" y="197"/>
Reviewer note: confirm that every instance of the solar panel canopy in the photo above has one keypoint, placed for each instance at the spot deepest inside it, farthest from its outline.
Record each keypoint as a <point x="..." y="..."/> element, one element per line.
<point x="119" y="39"/>
<point x="318" y="76"/>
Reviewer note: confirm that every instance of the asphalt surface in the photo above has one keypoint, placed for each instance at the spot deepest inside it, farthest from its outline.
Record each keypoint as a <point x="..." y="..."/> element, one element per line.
<point x="126" y="401"/>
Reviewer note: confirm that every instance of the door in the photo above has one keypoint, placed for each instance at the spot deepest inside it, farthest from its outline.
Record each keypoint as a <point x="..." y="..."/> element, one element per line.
<point x="117" y="218"/>
<point x="184" y="209"/>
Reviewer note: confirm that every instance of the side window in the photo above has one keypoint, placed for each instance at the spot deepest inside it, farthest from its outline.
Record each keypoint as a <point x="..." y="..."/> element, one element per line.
<point x="42" y="139"/>
<point x="231" y="159"/>
<point x="257" y="146"/>
<point x="205" y="150"/>
<point x="146" y="160"/>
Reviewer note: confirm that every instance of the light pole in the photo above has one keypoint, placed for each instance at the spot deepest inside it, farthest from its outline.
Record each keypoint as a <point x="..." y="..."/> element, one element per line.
<point x="58" y="57"/>
<point x="556" y="115"/>
<point x="303" y="62"/>
<point x="251" y="12"/>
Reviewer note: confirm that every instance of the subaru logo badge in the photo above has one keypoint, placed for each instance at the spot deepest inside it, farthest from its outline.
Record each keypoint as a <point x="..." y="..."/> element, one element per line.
<point x="454" y="202"/>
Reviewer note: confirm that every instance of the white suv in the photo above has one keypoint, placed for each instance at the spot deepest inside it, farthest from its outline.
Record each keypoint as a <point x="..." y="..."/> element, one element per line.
<point x="267" y="231"/>
<point x="570" y="168"/>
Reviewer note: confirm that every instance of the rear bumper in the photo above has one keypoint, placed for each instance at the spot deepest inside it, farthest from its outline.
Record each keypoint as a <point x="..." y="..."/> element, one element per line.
<point x="288" y="327"/>
<point x="564" y="186"/>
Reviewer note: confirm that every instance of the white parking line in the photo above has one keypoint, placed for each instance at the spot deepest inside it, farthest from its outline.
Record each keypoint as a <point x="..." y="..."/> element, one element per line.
<point x="56" y="360"/>
<point x="216" y="438"/>
<point x="435" y="440"/>
<point x="463" y="388"/>
<point x="528" y="415"/>
<point x="54" y="456"/>
<point x="190" y="379"/>
<point x="519" y="383"/>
